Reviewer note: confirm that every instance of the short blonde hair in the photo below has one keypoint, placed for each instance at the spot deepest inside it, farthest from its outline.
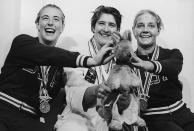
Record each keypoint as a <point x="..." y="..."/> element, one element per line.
<point x="53" y="6"/>
<point x="158" y="19"/>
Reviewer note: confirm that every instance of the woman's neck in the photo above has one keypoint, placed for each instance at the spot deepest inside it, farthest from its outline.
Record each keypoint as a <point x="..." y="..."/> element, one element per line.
<point x="49" y="43"/>
<point x="145" y="50"/>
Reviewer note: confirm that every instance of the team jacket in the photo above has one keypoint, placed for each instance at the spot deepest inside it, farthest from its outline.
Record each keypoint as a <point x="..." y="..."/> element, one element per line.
<point x="165" y="87"/>
<point x="20" y="76"/>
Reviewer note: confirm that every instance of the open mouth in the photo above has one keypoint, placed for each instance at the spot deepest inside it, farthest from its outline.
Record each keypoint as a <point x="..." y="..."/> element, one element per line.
<point x="49" y="30"/>
<point x="145" y="36"/>
<point x="105" y="34"/>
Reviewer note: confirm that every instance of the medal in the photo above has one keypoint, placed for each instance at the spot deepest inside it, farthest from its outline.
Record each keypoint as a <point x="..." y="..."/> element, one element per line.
<point x="91" y="75"/>
<point x="43" y="93"/>
<point x="44" y="101"/>
<point x="143" y="104"/>
<point x="44" y="107"/>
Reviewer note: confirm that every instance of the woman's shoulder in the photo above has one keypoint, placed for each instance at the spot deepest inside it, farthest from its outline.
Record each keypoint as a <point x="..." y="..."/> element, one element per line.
<point x="23" y="36"/>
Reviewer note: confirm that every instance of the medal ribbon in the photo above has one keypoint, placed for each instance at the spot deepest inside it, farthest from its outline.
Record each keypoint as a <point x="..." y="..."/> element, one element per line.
<point x="102" y="73"/>
<point x="43" y="93"/>
<point x="44" y="73"/>
<point x="145" y="89"/>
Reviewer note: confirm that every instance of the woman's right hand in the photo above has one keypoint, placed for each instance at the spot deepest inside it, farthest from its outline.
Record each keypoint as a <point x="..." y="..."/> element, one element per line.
<point x="101" y="57"/>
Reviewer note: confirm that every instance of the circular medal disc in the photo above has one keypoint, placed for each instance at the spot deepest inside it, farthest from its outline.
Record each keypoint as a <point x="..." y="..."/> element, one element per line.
<point x="44" y="107"/>
<point x="143" y="104"/>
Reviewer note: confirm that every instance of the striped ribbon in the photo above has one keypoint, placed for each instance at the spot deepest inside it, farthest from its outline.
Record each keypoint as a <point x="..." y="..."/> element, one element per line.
<point x="145" y="88"/>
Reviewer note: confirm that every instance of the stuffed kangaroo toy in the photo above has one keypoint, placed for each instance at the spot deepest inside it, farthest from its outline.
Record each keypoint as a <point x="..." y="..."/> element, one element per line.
<point x="124" y="83"/>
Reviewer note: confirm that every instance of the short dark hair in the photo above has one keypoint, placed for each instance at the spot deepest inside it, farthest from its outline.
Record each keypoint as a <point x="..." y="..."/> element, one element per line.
<point x="53" y="6"/>
<point x="108" y="10"/>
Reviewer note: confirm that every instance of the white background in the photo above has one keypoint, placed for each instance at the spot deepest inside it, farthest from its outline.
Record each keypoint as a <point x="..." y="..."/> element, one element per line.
<point x="18" y="16"/>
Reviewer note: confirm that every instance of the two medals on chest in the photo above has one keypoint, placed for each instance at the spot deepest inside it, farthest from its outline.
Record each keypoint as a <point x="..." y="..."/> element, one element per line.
<point x="43" y="91"/>
<point x="144" y="89"/>
<point x="146" y="78"/>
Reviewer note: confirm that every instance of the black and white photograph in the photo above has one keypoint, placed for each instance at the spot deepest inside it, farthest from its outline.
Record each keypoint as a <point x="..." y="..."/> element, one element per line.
<point x="97" y="65"/>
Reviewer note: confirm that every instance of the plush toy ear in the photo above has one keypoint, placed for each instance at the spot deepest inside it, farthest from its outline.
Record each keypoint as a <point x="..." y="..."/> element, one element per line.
<point x="127" y="35"/>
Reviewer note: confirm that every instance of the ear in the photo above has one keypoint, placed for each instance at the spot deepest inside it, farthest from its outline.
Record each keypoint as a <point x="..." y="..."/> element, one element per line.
<point x="127" y="35"/>
<point x="158" y="32"/>
<point x="92" y="30"/>
<point x="63" y="26"/>
<point x="134" y="32"/>
<point x="37" y="26"/>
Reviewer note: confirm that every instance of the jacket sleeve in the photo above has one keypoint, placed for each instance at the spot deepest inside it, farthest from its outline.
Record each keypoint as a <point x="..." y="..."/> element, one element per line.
<point x="171" y="65"/>
<point x="26" y="50"/>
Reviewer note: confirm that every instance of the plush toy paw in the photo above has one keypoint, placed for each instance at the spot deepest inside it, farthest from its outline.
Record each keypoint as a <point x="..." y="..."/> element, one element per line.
<point x="140" y="122"/>
<point x="116" y="122"/>
<point x="115" y="125"/>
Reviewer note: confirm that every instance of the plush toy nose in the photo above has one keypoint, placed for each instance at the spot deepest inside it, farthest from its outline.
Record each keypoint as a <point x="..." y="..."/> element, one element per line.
<point x="129" y="55"/>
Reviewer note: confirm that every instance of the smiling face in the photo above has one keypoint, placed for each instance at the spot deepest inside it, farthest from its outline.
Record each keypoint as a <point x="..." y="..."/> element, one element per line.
<point x="146" y="30"/>
<point x="50" y="25"/>
<point x="104" y="28"/>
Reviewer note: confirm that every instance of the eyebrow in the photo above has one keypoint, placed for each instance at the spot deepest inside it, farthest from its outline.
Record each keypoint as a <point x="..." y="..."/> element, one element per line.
<point x="143" y="23"/>
<point x="138" y="23"/>
<point x="44" y="16"/>
<point x="106" y="21"/>
<point x="57" y="16"/>
<point x="53" y="16"/>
